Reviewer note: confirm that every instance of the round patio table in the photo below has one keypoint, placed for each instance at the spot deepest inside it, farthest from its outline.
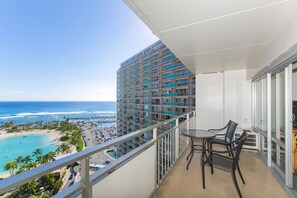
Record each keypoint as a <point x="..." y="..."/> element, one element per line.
<point x="205" y="135"/>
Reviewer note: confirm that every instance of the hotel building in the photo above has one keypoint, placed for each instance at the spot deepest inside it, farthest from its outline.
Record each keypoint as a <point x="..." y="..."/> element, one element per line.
<point x="152" y="86"/>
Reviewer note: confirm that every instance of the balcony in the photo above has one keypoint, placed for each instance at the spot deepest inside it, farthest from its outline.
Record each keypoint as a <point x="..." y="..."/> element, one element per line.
<point x="170" y="85"/>
<point x="160" y="154"/>
<point x="182" y="183"/>
<point x="169" y="58"/>
<point x="169" y="94"/>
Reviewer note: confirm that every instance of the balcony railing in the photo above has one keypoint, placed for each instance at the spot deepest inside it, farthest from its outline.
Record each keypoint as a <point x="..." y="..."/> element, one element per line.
<point x="159" y="153"/>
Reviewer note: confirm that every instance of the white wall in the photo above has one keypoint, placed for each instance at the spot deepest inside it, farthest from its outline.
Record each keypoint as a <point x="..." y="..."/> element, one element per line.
<point x="209" y="100"/>
<point x="136" y="179"/>
<point x="221" y="97"/>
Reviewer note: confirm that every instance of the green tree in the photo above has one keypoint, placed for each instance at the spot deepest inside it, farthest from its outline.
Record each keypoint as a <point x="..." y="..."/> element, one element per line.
<point x="8" y="125"/>
<point x="11" y="166"/>
<point x="37" y="152"/>
<point x="27" y="159"/>
<point x="31" y="188"/>
<point x="19" y="159"/>
<point x="29" y="165"/>
<point x="63" y="148"/>
<point x="57" y="186"/>
<point x="46" y="194"/>
<point x="48" y="181"/>
<point x="50" y="156"/>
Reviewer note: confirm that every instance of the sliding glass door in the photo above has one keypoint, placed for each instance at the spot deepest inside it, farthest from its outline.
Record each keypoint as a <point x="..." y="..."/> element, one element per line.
<point x="272" y="110"/>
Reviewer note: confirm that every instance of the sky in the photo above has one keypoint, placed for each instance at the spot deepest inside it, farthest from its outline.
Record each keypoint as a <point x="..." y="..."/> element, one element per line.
<point x="66" y="50"/>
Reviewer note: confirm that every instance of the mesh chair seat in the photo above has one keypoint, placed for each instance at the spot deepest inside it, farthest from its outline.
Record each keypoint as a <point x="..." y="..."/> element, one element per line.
<point x="218" y="141"/>
<point x="222" y="161"/>
<point x="230" y="163"/>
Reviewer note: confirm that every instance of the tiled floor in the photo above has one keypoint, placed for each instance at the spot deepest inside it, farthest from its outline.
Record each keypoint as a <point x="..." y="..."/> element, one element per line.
<point x="185" y="184"/>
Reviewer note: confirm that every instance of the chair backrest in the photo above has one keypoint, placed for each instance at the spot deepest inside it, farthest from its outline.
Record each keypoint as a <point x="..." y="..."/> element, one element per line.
<point x="238" y="145"/>
<point x="230" y="131"/>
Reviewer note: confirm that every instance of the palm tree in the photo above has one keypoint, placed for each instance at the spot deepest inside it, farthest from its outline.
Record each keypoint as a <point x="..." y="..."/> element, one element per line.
<point x="27" y="159"/>
<point x="50" y="156"/>
<point x="30" y="165"/>
<point x="19" y="159"/>
<point x="48" y="180"/>
<point x="37" y="152"/>
<point x="11" y="166"/>
<point x="39" y="159"/>
<point x="63" y="148"/>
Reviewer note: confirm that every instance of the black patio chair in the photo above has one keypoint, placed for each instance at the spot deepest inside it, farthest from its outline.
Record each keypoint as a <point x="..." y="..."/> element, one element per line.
<point x="216" y="159"/>
<point x="226" y="137"/>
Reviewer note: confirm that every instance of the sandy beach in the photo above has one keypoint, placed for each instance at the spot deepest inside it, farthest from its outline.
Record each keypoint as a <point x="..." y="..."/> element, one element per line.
<point x="56" y="134"/>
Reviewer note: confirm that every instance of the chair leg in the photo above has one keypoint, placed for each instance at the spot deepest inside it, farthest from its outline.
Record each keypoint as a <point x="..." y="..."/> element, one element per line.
<point x="228" y="150"/>
<point x="192" y="148"/>
<point x="240" y="174"/>
<point x="235" y="183"/>
<point x="190" y="160"/>
<point x="191" y="153"/>
<point x="210" y="153"/>
<point x="203" y="173"/>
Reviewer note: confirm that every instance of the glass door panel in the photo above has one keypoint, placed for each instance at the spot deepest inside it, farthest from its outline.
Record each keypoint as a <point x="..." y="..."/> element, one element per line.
<point x="278" y="156"/>
<point x="261" y="103"/>
<point x="263" y="145"/>
<point x="277" y="106"/>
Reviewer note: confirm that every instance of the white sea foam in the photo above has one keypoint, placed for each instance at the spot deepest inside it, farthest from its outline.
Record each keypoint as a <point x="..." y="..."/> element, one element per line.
<point x="27" y="114"/>
<point x="102" y="112"/>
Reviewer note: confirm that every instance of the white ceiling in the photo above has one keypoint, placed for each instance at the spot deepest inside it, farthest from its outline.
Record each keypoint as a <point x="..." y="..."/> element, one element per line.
<point x="215" y="35"/>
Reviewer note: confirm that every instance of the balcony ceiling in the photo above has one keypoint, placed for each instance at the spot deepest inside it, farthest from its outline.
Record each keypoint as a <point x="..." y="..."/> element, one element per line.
<point x="215" y="35"/>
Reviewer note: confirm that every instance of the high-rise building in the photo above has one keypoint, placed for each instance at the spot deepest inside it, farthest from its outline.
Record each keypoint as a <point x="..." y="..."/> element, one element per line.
<point x="152" y="86"/>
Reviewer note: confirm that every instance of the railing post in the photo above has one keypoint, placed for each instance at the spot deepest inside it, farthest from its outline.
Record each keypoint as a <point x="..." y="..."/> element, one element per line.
<point x="188" y="125"/>
<point x="85" y="178"/>
<point x="157" y="166"/>
<point x="176" y="139"/>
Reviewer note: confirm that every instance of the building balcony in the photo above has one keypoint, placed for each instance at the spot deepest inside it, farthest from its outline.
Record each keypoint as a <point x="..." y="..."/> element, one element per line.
<point x="173" y="66"/>
<point x="170" y="85"/>
<point x="182" y="183"/>
<point x="162" y="175"/>
<point x="171" y="112"/>
<point x="169" y="58"/>
<point x="169" y="94"/>
<point x="170" y="103"/>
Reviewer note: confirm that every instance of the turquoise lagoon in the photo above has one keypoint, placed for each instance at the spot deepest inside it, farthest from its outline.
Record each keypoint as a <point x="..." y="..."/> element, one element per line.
<point x="12" y="147"/>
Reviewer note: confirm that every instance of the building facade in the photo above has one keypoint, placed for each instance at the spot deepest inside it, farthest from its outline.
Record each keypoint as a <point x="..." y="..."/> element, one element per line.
<point x="152" y="86"/>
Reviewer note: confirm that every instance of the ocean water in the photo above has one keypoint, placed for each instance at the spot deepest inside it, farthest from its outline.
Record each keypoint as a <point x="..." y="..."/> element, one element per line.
<point x="26" y="112"/>
<point x="12" y="147"/>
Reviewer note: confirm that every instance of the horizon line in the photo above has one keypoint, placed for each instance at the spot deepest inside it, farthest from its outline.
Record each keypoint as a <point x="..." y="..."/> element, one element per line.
<point x="58" y="101"/>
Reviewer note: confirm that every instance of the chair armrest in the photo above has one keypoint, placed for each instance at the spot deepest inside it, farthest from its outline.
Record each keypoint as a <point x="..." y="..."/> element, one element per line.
<point x="219" y="134"/>
<point x="216" y="151"/>
<point x="221" y="143"/>
<point x="221" y="129"/>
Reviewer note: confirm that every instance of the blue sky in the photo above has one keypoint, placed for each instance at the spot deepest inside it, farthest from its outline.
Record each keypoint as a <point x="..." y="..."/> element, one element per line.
<point x="66" y="50"/>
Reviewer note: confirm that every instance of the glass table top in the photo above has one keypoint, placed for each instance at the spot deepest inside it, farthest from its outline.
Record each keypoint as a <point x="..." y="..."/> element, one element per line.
<point x="198" y="133"/>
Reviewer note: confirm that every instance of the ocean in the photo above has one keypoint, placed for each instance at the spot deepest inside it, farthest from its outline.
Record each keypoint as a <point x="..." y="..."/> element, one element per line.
<point x="28" y="112"/>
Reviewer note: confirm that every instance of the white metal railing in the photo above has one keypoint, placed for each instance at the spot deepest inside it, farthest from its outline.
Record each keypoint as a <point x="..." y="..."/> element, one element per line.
<point x="169" y="146"/>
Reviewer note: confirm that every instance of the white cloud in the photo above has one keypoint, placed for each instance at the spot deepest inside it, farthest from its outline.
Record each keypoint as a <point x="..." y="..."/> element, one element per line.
<point x="18" y="95"/>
